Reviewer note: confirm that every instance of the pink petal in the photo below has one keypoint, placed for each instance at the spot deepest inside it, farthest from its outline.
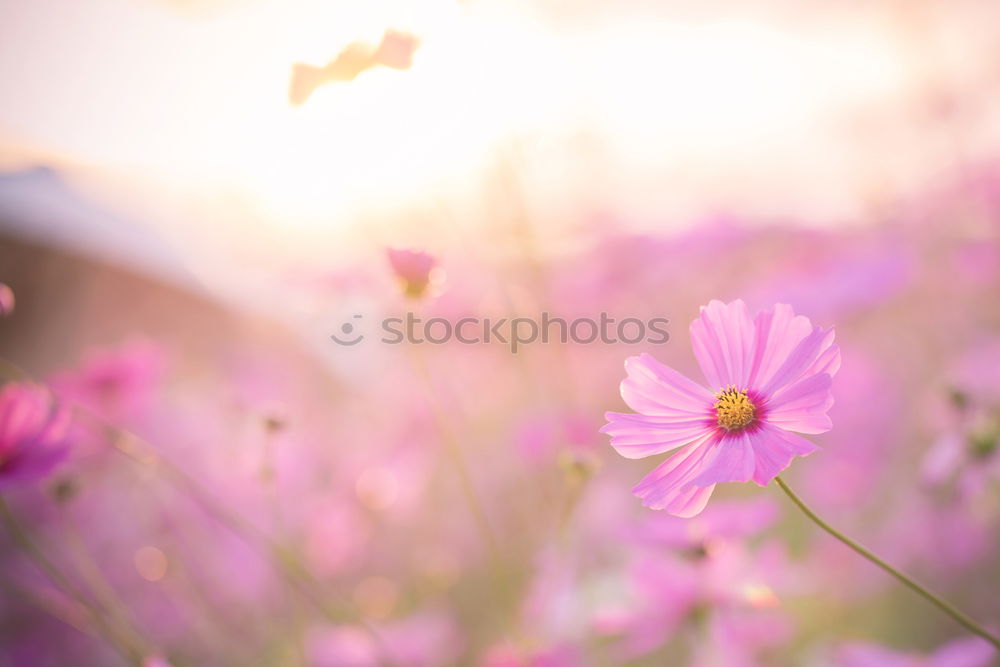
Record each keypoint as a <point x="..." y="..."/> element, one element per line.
<point x="774" y="450"/>
<point x="23" y="410"/>
<point x="722" y="338"/>
<point x="733" y="460"/>
<point x="802" y="406"/>
<point x="654" y="389"/>
<point x="777" y="333"/>
<point x="669" y="486"/>
<point x="638" y="436"/>
<point x="829" y="360"/>
<point x="943" y="458"/>
<point x="863" y="654"/>
<point x="963" y="652"/>
<point x="31" y="463"/>
<point x="801" y="360"/>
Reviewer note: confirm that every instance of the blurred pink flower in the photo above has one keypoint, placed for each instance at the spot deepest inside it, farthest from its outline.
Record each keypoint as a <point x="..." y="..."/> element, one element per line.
<point x="772" y="375"/>
<point x="427" y="637"/>
<point x="33" y="433"/>
<point x="976" y="263"/>
<point x="965" y="652"/>
<point x="664" y="591"/>
<point x="336" y="538"/>
<point x="837" y="275"/>
<point x="155" y="661"/>
<point x="413" y="268"/>
<point x="952" y="538"/>
<point x="723" y="584"/>
<point x="342" y="646"/>
<point x="725" y="520"/>
<point x="116" y="384"/>
<point x="974" y="375"/>
<point x="396" y="49"/>
<point x="539" y="438"/>
<point x="6" y="300"/>
<point x="555" y="605"/>
<point x="559" y="655"/>
<point x="967" y="457"/>
<point x="865" y="444"/>
<point x="967" y="452"/>
<point x="701" y="572"/>
<point x="736" y="637"/>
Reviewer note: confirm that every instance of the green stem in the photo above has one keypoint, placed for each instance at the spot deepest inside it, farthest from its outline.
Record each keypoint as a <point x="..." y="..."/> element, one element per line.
<point x="943" y="605"/>
<point x="63" y="582"/>
<point x="454" y="452"/>
<point x="287" y="564"/>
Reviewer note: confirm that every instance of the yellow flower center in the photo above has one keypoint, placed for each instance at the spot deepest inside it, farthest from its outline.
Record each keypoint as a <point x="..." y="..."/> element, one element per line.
<point x="733" y="408"/>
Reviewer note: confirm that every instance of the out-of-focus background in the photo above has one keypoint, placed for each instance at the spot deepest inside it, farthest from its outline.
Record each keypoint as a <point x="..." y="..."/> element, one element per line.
<point x="195" y="195"/>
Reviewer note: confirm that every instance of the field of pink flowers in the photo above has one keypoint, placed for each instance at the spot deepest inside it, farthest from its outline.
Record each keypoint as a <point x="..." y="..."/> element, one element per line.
<point x="574" y="407"/>
<point x="202" y="493"/>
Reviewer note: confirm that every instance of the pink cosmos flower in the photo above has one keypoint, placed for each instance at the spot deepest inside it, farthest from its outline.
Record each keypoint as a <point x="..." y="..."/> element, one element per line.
<point x="967" y="453"/>
<point x="119" y="384"/>
<point x="396" y="49"/>
<point x="711" y="576"/>
<point x="769" y="376"/>
<point x="414" y="268"/>
<point x="33" y="433"/>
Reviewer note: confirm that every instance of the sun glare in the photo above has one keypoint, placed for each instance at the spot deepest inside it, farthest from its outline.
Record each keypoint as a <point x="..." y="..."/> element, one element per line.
<point x="216" y="88"/>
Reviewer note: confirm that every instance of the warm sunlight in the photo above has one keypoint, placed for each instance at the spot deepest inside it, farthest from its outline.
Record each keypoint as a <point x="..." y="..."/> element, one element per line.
<point x="499" y="333"/>
<point x="665" y="94"/>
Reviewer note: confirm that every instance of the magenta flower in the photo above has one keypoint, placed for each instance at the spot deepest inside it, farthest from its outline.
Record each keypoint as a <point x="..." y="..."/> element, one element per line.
<point x="769" y="376"/>
<point x="33" y="433"/>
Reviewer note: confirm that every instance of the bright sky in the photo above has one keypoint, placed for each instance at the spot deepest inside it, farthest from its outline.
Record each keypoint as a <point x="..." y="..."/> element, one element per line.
<point x="654" y="117"/>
